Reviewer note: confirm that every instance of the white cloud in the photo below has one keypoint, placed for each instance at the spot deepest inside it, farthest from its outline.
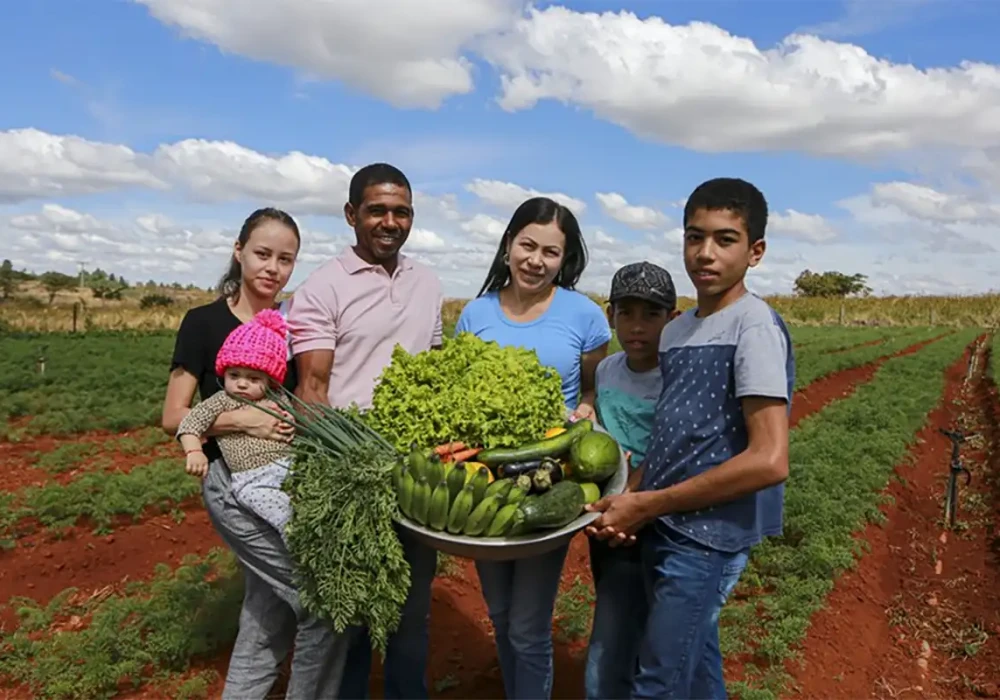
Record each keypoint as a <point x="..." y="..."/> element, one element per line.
<point x="34" y="163"/>
<point x="697" y="85"/>
<point x="807" y="227"/>
<point x="405" y="53"/>
<point x="223" y="170"/>
<point x="423" y="241"/>
<point x="508" y="196"/>
<point x="928" y="220"/>
<point x="638" y="217"/>
<point x="484" y="228"/>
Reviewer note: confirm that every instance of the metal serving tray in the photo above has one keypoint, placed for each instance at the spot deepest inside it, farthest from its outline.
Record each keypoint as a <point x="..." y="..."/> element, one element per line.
<point x="520" y="547"/>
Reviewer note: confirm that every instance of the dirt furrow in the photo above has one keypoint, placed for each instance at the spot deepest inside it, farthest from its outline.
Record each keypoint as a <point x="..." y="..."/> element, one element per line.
<point x="919" y="616"/>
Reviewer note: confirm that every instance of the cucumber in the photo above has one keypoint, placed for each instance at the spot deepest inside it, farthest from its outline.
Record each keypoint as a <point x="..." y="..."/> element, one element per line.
<point x="500" y="486"/>
<point x="437" y="512"/>
<point x="456" y="481"/>
<point x="417" y="462"/>
<point x="435" y="471"/>
<point x="550" y="447"/>
<point x="481" y="516"/>
<point x="502" y="521"/>
<point x="558" y="506"/>
<point x="405" y="493"/>
<point x="460" y="510"/>
<point x="421" y="500"/>
<point x="479" y="484"/>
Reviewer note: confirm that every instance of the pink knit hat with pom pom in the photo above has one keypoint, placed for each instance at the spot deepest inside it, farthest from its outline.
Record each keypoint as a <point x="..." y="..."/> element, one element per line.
<point x="258" y="344"/>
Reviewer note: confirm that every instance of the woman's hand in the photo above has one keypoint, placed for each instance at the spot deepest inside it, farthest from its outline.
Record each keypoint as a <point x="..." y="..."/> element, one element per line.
<point x="265" y="426"/>
<point x="584" y="411"/>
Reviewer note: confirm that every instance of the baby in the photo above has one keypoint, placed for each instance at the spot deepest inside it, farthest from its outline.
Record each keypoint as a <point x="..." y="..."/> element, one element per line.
<point x="253" y="355"/>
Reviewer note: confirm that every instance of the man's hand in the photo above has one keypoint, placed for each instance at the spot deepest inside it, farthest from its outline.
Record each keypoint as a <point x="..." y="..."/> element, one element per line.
<point x="197" y="464"/>
<point x="265" y="426"/>
<point x="621" y="517"/>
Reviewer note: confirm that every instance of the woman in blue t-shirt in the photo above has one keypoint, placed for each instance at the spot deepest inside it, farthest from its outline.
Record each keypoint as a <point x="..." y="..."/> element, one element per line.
<point x="528" y="300"/>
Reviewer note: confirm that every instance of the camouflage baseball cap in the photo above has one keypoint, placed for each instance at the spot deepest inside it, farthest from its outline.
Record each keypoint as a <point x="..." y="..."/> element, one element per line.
<point x="644" y="280"/>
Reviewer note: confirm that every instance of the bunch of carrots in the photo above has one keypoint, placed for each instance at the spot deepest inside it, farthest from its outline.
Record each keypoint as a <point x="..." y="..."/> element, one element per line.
<point x="456" y="452"/>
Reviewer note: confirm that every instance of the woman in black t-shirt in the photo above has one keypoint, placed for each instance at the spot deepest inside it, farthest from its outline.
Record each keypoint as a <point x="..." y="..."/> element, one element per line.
<point x="263" y="260"/>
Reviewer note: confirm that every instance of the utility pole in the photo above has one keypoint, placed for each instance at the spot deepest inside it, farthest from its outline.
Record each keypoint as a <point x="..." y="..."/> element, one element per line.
<point x="82" y="264"/>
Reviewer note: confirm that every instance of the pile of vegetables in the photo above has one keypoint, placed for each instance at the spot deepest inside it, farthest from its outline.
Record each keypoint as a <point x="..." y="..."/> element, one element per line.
<point x="507" y="491"/>
<point x="470" y="390"/>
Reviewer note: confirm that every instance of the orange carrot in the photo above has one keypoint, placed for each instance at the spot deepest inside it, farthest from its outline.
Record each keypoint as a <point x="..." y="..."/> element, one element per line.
<point x="465" y="455"/>
<point x="448" y="448"/>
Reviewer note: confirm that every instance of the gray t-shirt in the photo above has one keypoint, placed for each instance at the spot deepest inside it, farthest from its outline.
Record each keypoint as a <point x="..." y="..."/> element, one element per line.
<point x="708" y="365"/>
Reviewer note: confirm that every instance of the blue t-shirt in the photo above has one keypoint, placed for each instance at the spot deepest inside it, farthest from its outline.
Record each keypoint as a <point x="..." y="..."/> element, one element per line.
<point x="572" y="325"/>
<point x="708" y="365"/>
<point x="626" y="403"/>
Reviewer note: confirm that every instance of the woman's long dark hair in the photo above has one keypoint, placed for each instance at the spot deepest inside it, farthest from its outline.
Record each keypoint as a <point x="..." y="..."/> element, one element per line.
<point x="229" y="285"/>
<point x="540" y="210"/>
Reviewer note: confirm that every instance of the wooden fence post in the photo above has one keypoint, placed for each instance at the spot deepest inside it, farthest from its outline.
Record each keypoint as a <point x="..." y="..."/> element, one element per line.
<point x="843" y="313"/>
<point x="76" y="307"/>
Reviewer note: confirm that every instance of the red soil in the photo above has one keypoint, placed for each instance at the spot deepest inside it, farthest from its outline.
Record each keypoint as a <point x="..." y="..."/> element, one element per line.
<point x="919" y="616"/>
<point x="40" y="567"/>
<point x="18" y="459"/>
<point x="839" y="385"/>
<point x="463" y="658"/>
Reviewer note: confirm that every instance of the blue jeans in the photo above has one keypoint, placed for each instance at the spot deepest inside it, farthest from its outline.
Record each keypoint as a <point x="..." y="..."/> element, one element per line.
<point x="686" y="584"/>
<point x="405" y="668"/>
<point x="520" y="595"/>
<point x="620" y="614"/>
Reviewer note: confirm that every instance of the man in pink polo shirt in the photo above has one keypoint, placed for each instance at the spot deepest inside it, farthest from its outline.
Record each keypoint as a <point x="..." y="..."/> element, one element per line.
<point x="345" y="320"/>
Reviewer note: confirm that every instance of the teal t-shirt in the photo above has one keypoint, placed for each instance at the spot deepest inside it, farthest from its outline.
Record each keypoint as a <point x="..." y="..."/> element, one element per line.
<point x="626" y="403"/>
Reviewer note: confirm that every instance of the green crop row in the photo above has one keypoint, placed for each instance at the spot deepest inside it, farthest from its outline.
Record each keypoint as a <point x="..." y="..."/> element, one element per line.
<point x="151" y="629"/>
<point x="811" y="366"/>
<point x="72" y="455"/>
<point x="841" y="461"/>
<point x="99" y="497"/>
<point x="71" y="383"/>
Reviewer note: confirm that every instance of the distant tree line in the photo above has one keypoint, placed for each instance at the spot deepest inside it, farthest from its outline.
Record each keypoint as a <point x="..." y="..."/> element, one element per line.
<point x="103" y="285"/>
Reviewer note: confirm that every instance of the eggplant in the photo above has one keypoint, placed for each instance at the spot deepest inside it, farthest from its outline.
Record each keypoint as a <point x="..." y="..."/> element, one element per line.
<point x="516" y="469"/>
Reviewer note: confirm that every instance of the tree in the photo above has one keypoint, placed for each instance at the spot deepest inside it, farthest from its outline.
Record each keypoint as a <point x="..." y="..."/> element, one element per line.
<point x="8" y="281"/>
<point x="55" y="282"/>
<point x="831" y="284"/>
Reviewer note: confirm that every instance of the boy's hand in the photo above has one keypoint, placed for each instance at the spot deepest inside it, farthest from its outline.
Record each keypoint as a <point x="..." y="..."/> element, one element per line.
<point x="621" y="517"/>
<point x="197" y="464"/>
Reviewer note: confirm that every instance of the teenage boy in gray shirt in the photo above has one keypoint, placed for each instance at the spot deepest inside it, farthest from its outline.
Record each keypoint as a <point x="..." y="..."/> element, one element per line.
<point x="712" y="481"/>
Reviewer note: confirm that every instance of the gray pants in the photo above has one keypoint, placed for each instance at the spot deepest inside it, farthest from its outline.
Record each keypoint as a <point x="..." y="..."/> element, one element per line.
<point x="272" y="617"/>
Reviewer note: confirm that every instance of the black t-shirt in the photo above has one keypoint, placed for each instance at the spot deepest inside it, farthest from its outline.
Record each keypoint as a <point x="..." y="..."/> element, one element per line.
<point x="200" y="337"/>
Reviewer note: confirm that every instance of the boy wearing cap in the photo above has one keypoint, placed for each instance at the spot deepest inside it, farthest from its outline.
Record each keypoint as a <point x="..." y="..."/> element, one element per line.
<point x="642" y="301"/>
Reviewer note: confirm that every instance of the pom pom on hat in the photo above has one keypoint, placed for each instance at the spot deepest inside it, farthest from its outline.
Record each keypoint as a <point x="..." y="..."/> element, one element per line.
<point x="259" y="344"/>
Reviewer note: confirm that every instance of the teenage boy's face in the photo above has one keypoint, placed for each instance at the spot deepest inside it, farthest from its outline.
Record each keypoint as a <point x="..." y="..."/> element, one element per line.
<point x="638" y="325"/>
<point x="717" y="250"/>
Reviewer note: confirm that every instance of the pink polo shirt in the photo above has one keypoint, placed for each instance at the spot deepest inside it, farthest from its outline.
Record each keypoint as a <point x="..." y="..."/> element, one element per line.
<point x="361" y="313"/>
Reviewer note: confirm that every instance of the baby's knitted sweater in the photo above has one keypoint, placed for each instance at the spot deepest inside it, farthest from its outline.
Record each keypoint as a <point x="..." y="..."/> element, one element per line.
<point x="241" y="451"/>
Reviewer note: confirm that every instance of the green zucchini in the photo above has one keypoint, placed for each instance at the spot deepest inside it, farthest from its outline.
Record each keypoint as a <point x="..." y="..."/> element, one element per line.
<point x="549" y="447"/>
<point x="558" y="506"/>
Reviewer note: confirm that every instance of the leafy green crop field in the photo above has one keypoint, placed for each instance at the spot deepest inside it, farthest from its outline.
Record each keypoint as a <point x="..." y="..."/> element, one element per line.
<point x="152" y="631"/>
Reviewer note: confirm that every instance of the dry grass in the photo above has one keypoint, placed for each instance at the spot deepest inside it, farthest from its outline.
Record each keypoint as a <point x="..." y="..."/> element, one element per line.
<point x="29" y="310"/>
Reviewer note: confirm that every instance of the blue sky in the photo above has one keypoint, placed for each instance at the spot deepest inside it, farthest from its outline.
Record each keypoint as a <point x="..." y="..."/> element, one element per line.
<point x="139" y="134"/>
